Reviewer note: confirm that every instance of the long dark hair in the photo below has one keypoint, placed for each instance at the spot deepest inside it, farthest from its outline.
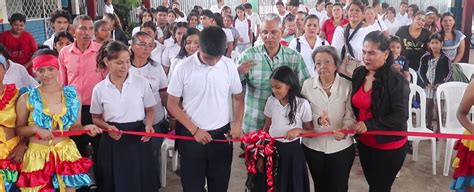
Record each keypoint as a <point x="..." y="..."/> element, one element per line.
<point x="453" y="31"/>
<point x="287" y="76"/>
<point x="182" y="52"/>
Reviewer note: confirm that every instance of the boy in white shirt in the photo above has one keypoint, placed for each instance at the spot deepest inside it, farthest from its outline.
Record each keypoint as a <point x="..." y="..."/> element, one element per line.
<point x="205" y="84"/>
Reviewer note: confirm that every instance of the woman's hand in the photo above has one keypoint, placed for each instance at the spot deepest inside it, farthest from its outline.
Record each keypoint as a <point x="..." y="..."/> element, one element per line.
<point x="148" y="129"/>
<point x="114" y="133"/>
<point x="324" y="119"/>
<point x="338" y="135"/>
<point x="16" y="155"/>
<point x="293" y="133"/>
<point x="44" y="134"/>
<point x="93" y="130"/>
<point x="360" y="127"/>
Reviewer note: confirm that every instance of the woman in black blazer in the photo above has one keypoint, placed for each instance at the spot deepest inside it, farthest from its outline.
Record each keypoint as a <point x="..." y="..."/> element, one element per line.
<point x="380" y="102"/>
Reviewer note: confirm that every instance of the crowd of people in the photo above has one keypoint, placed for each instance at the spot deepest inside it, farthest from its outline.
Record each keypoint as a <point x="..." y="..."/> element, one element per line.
<point x="220" y="73"/>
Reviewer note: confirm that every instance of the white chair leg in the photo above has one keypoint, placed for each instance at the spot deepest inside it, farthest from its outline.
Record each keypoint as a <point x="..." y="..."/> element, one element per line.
<point x="415" y="150"/>
<point x="175" y="160"/>
<point x="164" y="149"/>
<point x="447" y="157"/>
<point x="433" y="154"/>
<point x="438" y="152"/>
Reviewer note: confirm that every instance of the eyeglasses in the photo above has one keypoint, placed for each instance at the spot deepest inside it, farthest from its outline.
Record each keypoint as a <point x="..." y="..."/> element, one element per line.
<point x="145" y="45"/>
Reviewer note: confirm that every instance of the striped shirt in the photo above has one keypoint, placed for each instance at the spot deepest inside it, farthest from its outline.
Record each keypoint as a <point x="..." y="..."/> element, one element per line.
<point x="258" y="85"/>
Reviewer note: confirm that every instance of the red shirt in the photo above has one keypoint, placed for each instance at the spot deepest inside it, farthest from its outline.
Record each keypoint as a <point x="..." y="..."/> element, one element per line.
<point x="328" y="27"/>
<point x="362" y="101"/>
<point x="20" y="49"/>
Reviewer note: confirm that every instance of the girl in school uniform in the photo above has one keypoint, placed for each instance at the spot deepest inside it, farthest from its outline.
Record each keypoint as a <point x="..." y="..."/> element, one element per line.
<point x="435" y="69"/>
<point x="123" y="101"/>
<point x="172" y="49"/>
<point x="288" y="113"/>
<point x="51" y="163"/>
<point x="189" y="46"/>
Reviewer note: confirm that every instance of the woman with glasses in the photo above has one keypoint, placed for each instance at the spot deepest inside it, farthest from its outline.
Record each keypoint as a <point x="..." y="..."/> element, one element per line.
<point x="143" y="65"/>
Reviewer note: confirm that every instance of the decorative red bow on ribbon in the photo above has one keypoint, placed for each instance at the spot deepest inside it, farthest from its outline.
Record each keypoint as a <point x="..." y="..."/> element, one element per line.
<point x="260" y="145"/>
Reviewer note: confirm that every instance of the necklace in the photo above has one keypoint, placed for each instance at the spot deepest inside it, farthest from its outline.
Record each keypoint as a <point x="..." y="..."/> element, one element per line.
<point x="329" y="86"/>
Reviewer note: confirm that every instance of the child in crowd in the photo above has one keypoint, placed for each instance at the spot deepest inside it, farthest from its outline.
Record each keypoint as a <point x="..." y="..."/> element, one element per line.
<point x="435" y="69"/>
<point x="244" y="26"/>
<point x="288" y="113"/>
<point x="62" y="39"/>
<point x="20" y="43"/>
<point x="289" y="29"/>
<point x="189" y="46"/>
<point x="400" y="62"/>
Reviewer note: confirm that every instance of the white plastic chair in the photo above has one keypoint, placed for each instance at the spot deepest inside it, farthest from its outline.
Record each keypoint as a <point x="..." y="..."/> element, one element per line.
<point x="452" y="92"/>
<point x="414" y="90"/>
<point x="414" y="75"/>
<point x="467" y="69"/>
<point x="414" y="79"/>
<point x="168" y="145"/>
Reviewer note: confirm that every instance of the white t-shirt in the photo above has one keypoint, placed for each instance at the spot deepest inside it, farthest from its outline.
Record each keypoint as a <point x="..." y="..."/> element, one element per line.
<point x="125" y="106"/>
<point x="243" y="29"/>
<point x="157" y="78"/>
<point x="17" y="74"/>
<point x="338" y="107"/>
<point x="228" y="35"/>
<point x="392" y="27"/>
<point x="109" y="9"/>
<point x="380" y="25"/>
<point x="50" y="42"/>
<point x="306" y="51"/>
<point x="169" y="53"/>
<point x="356" y="41"/>
<point x="174" y="62"/>
<point x="206" y="90"/>
<point x="279" y="115"/>
<point x="255" y="20"/>
<point x="215" y="8"/>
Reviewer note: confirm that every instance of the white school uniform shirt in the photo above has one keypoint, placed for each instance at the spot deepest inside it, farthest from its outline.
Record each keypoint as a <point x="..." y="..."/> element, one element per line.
<point x="403" y="19"/>
<point x="168" y="42"/>
<point x="174" y="62"/>
<point x="279" y="115"/>
<point x="392" y="27"/>
<point x="380" y="25"/>
<point x="109" y="9"/>
<point x="122" y="107"/>
<point x="322" y="15"/>
<point x="228" y="35"/>
<point x="17" y="74"/>
<point x="135" y="30"/>
<point x="339" y="109"/>
<point x="255" y="20"/>
<point x="157" y="53"/>
<point x="282" y="16"/>
<point x="243" y="29"/>
<point x="169" y="53"/>
<point x="206" y="90"/>
<point x="306" y="51"/>
<point x="215" y="8"/>
<point x="50" y="42"/>
<point x="157" y="79"/>
<point x="356" y="41"/>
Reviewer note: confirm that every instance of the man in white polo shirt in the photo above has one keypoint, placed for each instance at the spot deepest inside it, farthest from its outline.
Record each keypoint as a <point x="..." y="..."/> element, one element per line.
<point x="205" y="84"/>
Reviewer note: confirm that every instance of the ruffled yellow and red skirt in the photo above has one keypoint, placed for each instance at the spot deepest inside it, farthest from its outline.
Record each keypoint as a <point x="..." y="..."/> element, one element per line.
<point x="8" y="170"/>
<point x="53" y="167"/>
<point x="464" y="165"/>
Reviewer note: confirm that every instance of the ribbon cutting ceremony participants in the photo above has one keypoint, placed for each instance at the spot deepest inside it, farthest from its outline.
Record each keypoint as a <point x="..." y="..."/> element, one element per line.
<point x="51" y="163"/>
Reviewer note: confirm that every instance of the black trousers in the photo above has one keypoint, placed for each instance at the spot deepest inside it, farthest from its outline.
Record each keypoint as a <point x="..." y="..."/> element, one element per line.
<point x="381" y="166"/>
<point x="330" y="172"/>
<point x="200" y="163"/>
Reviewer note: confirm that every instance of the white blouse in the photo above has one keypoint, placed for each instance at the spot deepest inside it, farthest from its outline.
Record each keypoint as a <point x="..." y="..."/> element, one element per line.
<point x="356" y="41"/>
<point x="279" y="115"/>
<point x="339" y="109"/>
<point x="123" y="106"/>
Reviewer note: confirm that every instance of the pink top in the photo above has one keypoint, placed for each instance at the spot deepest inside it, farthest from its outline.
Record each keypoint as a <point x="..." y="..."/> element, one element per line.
<point x="79" y="69"/>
